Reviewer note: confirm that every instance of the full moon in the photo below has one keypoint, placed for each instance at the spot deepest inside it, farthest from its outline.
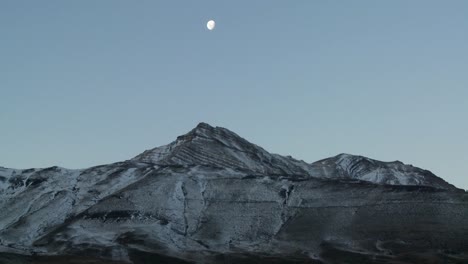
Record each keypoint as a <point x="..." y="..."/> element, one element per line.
<point x="211" y="25"/>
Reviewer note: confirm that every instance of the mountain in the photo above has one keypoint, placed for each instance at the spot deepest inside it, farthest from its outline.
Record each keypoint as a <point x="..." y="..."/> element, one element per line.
<point x="219" y="147"/>
<point x="393" y="173"/>
<point x="213" y="197"/>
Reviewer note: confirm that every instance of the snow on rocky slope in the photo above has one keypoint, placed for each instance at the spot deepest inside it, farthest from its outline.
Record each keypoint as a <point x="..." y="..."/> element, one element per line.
<point x="361" y="168"/>
<point x="212" y="195"/>
<point x="219" y="147"/>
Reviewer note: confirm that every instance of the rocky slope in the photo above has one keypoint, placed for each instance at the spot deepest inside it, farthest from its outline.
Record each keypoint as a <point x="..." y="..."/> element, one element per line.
<point x="213" y="197"/>
<point x="361" y="168"/>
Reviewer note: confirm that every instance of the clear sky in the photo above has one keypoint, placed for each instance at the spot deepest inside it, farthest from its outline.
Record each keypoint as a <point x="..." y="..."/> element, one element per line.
<point x="90" y="82"/>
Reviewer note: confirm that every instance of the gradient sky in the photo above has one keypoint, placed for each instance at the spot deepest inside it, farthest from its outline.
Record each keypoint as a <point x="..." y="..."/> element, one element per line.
<point x="90" y="82"/>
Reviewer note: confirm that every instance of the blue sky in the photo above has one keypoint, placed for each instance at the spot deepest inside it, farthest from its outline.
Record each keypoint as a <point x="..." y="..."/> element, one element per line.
<point x="90" y="82"/>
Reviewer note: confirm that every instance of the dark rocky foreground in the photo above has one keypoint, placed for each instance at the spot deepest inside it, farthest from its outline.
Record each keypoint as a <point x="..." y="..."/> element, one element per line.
<point x="213" y="197"/>
<point x="330" y="254"/>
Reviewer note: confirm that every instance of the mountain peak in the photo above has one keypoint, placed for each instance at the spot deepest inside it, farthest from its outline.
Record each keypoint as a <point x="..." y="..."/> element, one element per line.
<point x="207" y="131"/>
<point x="219" y="147"/>
<point x="203" y="125"/>
<point x="200" y="129"/>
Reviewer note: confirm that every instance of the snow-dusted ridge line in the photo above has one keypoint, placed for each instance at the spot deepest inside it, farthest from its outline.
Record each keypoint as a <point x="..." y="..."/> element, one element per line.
<point x="207" y="145"/>
<point x="220" y="147"/>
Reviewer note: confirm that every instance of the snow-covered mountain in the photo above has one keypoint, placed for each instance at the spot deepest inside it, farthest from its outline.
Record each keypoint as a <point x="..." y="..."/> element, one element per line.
<point x="219" y="147"/>
<point x="213" y="197"/>
<point x="361" y="168"/>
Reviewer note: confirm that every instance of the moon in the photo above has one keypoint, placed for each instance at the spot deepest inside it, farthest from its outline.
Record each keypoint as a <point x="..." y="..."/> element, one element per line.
<point x="211" y="25"/>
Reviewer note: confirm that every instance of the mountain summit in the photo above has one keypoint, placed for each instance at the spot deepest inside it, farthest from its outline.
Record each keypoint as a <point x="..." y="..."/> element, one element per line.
<point x="219" y="147"/>
<point x="213" y="197"/>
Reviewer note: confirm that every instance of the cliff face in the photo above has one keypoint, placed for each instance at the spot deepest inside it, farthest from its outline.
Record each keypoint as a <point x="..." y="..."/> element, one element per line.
<point x="211" y="197"/>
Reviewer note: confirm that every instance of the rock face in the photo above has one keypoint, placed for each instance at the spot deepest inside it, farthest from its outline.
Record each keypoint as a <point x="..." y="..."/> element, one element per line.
<point x="213" y="197"/>
<point x="221" y="148"/>
<point x="361" y="168"/>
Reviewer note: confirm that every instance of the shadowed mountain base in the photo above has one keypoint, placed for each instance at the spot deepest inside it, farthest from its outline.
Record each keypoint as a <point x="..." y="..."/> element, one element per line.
<point x="330" y="255"/>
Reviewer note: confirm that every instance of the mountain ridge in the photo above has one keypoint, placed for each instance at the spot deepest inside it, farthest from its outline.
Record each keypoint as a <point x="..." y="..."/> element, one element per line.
<point x="211" y="194"/>
<point x="221" y="135"/>
<point x="188" y="145"/>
